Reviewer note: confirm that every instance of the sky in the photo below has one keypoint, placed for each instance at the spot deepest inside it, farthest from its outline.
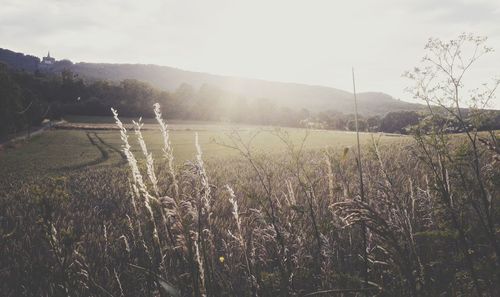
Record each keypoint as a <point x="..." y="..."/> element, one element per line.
<point x="309" y="41"/>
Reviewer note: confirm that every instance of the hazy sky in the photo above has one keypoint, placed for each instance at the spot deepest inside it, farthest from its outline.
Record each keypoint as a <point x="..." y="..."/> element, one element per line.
<point x="313" y="42"/>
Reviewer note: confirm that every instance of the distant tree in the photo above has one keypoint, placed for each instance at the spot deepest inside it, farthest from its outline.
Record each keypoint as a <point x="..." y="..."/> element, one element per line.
<point x="207" y="105"/>
<point x="373" y="123"/>
<point x="183" y="98"/>
<point x="397" y="122"/>
<point x="263" y="111"/>
<point x="304" y="113"/>
<point x="362" y="125"/>
<point x="11" y="103"/>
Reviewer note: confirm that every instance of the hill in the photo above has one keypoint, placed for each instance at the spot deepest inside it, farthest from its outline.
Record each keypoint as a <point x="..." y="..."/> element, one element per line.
<point x="19" y="61"/>
<point x="291" y="95"/>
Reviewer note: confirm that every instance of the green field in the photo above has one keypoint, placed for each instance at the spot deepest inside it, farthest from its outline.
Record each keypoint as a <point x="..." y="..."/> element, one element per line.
<point x="59" y="151"/>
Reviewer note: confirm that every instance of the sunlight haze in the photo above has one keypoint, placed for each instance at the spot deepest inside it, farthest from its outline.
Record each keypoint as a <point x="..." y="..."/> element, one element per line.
<point x="312" y="42"/>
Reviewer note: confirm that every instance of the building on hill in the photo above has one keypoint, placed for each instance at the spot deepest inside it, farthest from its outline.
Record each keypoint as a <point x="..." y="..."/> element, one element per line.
<point x="47" y="62"/>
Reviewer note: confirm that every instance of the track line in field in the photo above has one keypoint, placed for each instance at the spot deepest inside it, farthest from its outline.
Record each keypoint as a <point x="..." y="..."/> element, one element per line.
<point x="102" y="158"/>
<point x="114" y="149"/>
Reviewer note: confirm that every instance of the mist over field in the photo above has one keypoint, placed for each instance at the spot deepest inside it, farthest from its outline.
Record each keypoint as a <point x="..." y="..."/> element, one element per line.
<point x="249" y="148"/>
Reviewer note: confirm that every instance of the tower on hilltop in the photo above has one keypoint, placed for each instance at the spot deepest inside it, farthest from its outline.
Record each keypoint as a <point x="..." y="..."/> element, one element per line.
<point x="48" y="60"/>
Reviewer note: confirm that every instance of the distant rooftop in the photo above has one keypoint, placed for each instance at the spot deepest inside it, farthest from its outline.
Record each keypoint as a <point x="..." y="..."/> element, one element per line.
<point x="48" y="60"/>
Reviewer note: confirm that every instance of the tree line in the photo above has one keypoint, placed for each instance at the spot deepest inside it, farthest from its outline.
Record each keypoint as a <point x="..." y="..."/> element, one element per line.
<point x="27" y="98"/>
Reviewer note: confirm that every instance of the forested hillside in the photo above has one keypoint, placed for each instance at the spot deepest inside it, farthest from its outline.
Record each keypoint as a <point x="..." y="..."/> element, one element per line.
<point x="28" y="98"/>
<point x="297" y="96"/>
<point x="291" y="95"/>
<point x="18" y="60"/>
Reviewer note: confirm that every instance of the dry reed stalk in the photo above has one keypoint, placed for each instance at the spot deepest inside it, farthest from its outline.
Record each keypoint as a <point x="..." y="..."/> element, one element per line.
<point x="241" y="241"/>
<point x="201" y="271"/>
<point x="141" y="187"/>
<point x="149" y="156"/>
<point x="167" y="148"/>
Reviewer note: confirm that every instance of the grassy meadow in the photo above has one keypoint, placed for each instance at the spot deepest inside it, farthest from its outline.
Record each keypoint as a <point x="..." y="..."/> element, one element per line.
<point x="79" y="214"/>
<point x="91" y="143"/>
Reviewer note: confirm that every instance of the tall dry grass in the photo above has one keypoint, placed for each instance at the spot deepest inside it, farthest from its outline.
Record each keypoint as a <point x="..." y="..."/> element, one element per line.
<point x="251" y="226"/>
